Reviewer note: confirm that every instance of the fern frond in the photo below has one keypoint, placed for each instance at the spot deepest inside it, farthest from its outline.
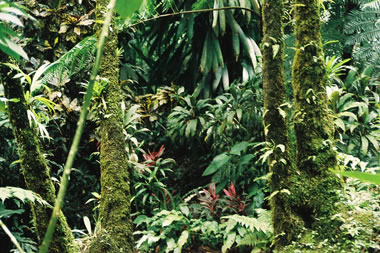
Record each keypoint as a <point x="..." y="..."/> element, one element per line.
<point x="373" y="5"/>
<point x="365" y="36"/>
<point x="249" y="239"/>
<point x="21" y="194"/>
<point x="251" y="223"/>
<point x="72" y="62"/>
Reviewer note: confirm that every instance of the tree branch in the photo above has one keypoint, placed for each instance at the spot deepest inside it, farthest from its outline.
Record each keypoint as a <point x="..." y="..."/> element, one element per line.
<point x="190" y="12"/>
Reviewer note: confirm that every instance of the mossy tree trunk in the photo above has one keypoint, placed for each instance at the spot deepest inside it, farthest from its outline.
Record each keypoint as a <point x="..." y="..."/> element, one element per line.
<point x="116" y="226"/>
<point x="286" y="222"/>
<point x="317" y="187"/>
<point x="35" y="170"/>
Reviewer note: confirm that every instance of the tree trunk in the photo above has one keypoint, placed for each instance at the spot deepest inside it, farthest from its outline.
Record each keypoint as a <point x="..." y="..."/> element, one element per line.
<point x="316" y="186"/>
<point x="116" y="226"/>
<point x="286" y="223"/>
<point x="35" y="169"/>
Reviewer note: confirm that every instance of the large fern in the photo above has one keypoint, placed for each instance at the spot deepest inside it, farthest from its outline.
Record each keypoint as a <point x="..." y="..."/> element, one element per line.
<point x="75" y="60"/>
<point x="363" y="28"/>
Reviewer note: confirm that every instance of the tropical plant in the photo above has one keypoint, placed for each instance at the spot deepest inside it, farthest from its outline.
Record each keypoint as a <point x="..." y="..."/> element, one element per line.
<point x="247" y="231"/>
<point x="211" y="42"/>
<point x="22" y="243"/>
<point x="9" y="18"/>
<point x="354" y="106"/>
<point x="174" y="230"/>
<point x="166" y="231"/>
<point x="150" y="186"/>
<point x="363" y="28"/>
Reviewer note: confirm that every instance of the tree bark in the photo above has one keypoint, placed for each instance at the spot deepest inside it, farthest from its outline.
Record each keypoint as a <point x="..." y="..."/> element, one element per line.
<point x="286" y="223"/>
<point x="317" y="187"/>
<point x="116" y="226"/>
<point x="35" y="170"/>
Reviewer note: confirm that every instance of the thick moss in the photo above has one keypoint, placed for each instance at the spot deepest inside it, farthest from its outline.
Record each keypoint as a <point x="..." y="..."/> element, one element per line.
<point x="116" y="225"/>
<point x="35" y="170"/>
<point x="287" y="224"/>
<point x="317" y="187"/>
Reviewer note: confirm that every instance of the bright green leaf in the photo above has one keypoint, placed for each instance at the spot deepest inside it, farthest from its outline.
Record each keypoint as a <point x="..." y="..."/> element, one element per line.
<point x="126" y="8"/>
<point x="362" y="176"/>
<point x="216" y="163"/>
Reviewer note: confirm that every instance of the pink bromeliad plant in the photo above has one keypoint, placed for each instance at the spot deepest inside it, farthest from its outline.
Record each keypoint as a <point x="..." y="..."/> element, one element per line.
<point x="151" y="157"/>
<point x="234" y="201"/>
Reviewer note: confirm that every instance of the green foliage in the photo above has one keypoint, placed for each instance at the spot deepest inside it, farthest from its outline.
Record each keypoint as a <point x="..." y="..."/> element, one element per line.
<point x="354" y="106"/>
<point x="9" y="13"/>
<point x="172" y="230"/>
<point x="21" y="194"/>
<point x="247" y="231"/>
<point x="364" y="27"/>
<point x="194" y="42"/>
<point x="362" y="176"/>
<point x="77" y="59"/>
<point x="230" y="166"/>
<point x="39" y="107"/>
<point x="149" y="184"/>
<point x="221" y="122"/>
<point x="169" y="229"/>
<point x="126" y="9"/>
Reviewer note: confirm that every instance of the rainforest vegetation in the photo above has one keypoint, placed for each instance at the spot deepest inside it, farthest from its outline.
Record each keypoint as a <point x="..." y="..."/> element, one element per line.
<point x="189" y="126"/>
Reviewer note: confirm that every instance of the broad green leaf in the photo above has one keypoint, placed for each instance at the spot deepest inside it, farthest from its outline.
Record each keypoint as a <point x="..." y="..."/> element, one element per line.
<point x="340" y="123"/>
<point x="11" y="18"/>
<point x="12" y="49"/>
<point x="216" y="163"/>
<point x="170" y="245"/>
<point x="374" y="142"/>
<point x="239" y="147"/>
<point x="182" y="239"/>
<point x="362" y="176"/>
<point x="275" y="49"/>
<point x="36" y="81"/>
<point x="126" y="8"/>
<point x="185" y="210"/>
<point x="246" y="159"/>
<point x="170" y="218"/>
<point x="364" y="147"/>
<point x="87" y="224"/>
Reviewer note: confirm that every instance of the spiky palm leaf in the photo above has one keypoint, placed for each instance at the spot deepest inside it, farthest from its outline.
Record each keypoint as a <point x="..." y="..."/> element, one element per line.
<point x="198" y="48"/>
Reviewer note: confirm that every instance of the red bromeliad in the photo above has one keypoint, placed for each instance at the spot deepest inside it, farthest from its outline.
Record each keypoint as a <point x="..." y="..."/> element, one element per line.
<point x="234" y="200"/>
<point x="151" y="157"/>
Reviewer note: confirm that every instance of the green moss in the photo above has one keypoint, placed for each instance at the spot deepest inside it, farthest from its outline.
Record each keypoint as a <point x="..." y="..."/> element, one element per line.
<point x="116" y="224"/>
<point x="35" y="170"/>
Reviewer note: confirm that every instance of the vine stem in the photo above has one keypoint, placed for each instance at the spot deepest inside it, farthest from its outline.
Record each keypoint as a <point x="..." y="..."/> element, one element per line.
<point x="13" y="239"/>
<point x="78" y="133"/>
<point x="190" y="12"/>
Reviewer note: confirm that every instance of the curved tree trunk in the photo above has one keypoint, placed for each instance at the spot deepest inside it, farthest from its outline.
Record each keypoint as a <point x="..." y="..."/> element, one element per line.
<point x="35" y="169"/>
<point x="317" y="186"/>
<point x="116" y="226"/>
<point x="286" y="223"/>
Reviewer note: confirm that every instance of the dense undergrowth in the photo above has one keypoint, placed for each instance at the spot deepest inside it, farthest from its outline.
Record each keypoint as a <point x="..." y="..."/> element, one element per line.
<point x="195" y="142"/>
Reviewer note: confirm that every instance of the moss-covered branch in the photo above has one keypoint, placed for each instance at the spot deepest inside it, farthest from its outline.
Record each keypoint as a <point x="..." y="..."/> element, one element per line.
<point x="34" y="167"/>
<point x="286" y="223"/>
<point x="313" y="127"/>
<point x="116" y="226"/>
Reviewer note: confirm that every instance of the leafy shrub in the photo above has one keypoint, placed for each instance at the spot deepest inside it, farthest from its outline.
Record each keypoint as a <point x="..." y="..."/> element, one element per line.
<point x="171" y="231"/>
